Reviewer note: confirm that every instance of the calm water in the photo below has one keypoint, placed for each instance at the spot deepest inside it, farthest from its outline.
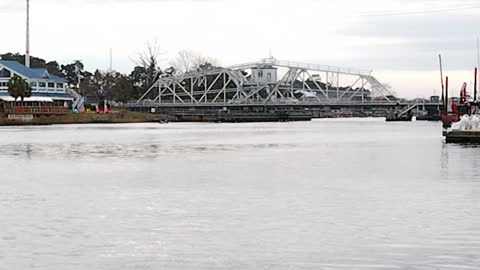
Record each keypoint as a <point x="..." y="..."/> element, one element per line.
<point x="329" y="194"/>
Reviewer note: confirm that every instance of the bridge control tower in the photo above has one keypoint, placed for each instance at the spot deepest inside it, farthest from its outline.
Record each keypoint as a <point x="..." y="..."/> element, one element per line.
<point x="264" y="74"/>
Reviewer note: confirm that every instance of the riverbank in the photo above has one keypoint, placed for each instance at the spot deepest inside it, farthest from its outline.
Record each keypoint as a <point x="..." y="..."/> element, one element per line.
<point x="124" y="117"/>
<point x="120" y="117"/>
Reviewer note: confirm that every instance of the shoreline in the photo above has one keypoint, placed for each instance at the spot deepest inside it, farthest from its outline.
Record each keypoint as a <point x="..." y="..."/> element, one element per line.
<point x="126" y="117"/>
<point x="120" y="117"/>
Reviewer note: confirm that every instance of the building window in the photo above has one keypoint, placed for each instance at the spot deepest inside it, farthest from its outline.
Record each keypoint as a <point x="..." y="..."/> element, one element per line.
<point x="269" y="77"/>
<point x="60" y="85"/>
<point x="33" y="84"/>
<point x="42" y="84"/>
<point x="5" y="73"/>
<point x="260" y="74"/>
<point x="51" y="85"/>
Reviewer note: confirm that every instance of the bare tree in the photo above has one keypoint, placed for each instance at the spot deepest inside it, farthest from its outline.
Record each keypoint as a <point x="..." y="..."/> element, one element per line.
<point x="205" y="63"/>
<point x="148" y="61"/>
<point x="188" y="61"/>
<point x="183" y="63"/>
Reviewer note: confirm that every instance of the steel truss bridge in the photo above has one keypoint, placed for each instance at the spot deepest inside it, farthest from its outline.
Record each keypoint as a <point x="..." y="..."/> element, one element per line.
<point x="270" y="83"/>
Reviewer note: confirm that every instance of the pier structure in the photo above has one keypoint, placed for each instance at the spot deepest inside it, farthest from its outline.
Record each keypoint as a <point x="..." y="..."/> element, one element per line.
<point x="270" y="84"/>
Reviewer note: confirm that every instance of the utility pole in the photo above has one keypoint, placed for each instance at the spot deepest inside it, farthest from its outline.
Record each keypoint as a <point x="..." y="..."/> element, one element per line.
<point x="27" y="54"/>
<point x="78" y="71"/>
<point x="111" y="59"/>
<point x="441" y="78"/>
<point x="478" y="65"/>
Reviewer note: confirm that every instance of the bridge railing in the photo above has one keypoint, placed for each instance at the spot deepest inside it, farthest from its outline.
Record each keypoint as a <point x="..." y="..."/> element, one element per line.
<point x="147" y="103"/>
<point x="313" y="67"/>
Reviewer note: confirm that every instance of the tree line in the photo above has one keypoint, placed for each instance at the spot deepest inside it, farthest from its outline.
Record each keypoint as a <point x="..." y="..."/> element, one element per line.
<point x="117" y="86"/>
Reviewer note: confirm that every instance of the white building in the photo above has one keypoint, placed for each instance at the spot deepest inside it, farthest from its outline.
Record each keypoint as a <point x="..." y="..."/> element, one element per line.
<point x="43" y="83"/>
<point x="264" y="75"/>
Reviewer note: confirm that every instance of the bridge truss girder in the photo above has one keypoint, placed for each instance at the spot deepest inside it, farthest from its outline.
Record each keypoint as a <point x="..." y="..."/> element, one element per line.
<point x="299" y="83"/>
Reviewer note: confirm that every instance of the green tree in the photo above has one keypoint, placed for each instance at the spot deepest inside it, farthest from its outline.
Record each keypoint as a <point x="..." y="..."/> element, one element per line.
<point x="53" y="68"/>
<point x="34" y="61"/>
<point x="73" y="72"/>
<point x="139" y="76"/>
<point x="88" y="85"/>
<point x="121" y="88"/>
<point x="139" y="80"/>
<point x="19" y="88"/>
<point x="148" y="69"/>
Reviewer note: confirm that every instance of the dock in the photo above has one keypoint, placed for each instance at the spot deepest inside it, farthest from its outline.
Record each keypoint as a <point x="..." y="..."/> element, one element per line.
<point x="462" y="136"/>
<point x="242" y="117"/>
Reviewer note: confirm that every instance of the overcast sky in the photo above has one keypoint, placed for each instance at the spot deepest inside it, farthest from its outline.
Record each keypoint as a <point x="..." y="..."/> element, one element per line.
<point x="399" y="39"/>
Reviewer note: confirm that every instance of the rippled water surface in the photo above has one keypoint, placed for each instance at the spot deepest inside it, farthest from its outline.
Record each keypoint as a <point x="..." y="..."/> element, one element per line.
<point x="327" y="194"/>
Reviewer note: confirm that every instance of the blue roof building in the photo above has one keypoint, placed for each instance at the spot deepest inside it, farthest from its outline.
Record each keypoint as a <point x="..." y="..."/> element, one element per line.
<point x="42" y="82"/>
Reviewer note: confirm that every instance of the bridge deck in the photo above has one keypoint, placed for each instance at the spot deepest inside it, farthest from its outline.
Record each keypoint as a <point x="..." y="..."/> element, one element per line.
<point x="300" y="104"/>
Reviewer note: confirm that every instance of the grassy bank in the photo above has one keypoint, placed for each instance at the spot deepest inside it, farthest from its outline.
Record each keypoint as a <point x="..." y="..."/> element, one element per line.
<point x="119" y="117"/>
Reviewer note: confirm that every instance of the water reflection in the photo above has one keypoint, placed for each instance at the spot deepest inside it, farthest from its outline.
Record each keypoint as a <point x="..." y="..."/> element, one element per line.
<point x="461" y="161"/>
<point x="334" y="194"/>
<point x="120" y="151"/>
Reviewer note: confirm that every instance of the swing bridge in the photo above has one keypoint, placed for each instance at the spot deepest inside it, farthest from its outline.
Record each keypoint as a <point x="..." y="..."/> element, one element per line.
<point x="272" y="84"/>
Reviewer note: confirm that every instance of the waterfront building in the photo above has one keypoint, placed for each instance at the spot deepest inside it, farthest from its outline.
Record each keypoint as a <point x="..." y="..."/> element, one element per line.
<point x="49" y="92"/>
<point x="45" y="86"/>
